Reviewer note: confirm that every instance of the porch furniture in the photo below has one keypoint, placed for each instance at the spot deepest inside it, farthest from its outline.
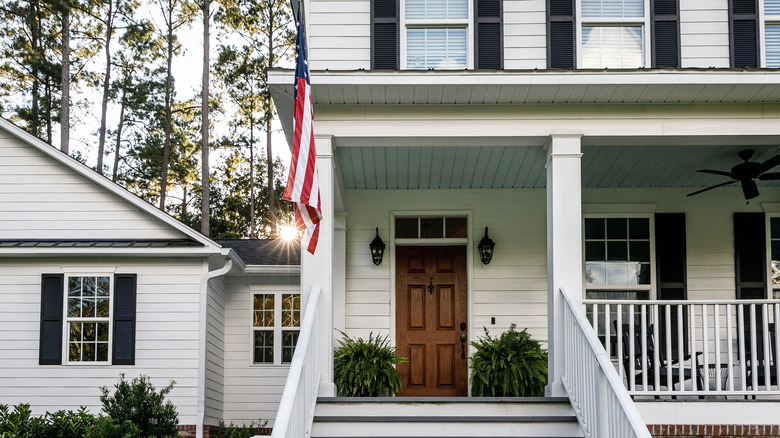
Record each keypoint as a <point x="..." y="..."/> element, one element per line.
<point x="716" y="376"/>
<point x="763" y="358"/>
<point x="665" y="373"/>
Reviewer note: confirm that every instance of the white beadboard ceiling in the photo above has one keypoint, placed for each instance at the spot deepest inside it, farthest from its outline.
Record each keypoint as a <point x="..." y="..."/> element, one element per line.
<point x="502" y="167"/>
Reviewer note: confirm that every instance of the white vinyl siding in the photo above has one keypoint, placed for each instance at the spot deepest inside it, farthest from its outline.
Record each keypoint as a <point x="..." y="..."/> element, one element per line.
<point x="215" y="351"/>
<point x="339" y="34"/>
<point x="525" y="34"/>
<point x="704" y="33"/>
<point x="167" y="333"/>
<point x="43" y="199"/>
<point x="252" y="391"/>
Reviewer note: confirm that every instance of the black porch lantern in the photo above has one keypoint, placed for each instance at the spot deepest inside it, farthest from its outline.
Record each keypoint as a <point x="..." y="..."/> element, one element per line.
<point x="377" y="248"/>
<point x="486" y="246"/>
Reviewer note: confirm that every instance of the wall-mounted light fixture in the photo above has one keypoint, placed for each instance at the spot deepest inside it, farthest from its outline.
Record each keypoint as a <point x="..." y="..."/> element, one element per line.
<point x="486" y="246"/>
<point x="377" y="248"/>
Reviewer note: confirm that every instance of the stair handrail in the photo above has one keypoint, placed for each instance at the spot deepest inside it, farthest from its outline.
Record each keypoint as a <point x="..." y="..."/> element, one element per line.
<point x="296" y="408"/>
<point x="601" y="402"/>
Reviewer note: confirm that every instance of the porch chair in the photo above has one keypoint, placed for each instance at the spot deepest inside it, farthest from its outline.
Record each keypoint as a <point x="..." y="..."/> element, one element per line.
<point x="677" y="375"/>
<point x="761" y="358"/>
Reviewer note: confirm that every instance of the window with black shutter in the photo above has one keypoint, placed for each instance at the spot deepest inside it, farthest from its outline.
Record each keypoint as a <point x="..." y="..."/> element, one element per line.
<point x="89" y="317"/>
<point x="743" y="24"/>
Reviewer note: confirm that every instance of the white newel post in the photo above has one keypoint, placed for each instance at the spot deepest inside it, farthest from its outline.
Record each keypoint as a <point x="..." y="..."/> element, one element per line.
<point x="564" y="244"/>
<point x="318" y="268"/>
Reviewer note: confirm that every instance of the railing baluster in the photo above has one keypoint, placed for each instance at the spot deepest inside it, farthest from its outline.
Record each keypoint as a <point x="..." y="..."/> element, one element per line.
<point x="607" y="333"/>
<point x="680" y="348"/>
<point x="656" y="356"/>
<point x="631" y="348"/>
<point x="643" y="333"/>
<point x="765" y="346"/>
<point x="716" y="334"/>
<point x="620" y="347"/>
<point x="692" y="345"/>
<point x="668" y="337"/>
<point x="729" y="341"/>
<point x="753" y="367"/>
<point x="705" y="350"/>
<point x="741" y="337"/>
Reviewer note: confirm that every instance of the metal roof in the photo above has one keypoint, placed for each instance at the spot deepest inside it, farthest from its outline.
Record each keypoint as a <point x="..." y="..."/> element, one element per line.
<point x="77" y="243"/>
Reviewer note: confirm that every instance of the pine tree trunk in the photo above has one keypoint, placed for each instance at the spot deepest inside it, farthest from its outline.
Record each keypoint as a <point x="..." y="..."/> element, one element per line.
<point x="34" y="26"/>
<point x="65" y="110"/>
<point x="269" y="119"/>
<point x="252" y="228"/>
<point x="168" y="111"/>
<point x="106" y="81"/>
<point x="204" y="129"/>
<point x="119" y="127"/>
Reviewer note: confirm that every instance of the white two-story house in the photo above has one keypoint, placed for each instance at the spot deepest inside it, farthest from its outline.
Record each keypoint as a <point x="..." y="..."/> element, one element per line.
<point x="622" y="155"/>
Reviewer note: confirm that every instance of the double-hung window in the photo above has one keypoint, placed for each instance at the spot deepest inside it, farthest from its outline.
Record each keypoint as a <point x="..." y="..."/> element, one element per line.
<point x="772" y="33"/>
<point x="613" y="34"/>
<point x="436" y="34"/>
<point x="88" y="317"/>
<point x="276" y="324"/>
<point x="618" y="258"/>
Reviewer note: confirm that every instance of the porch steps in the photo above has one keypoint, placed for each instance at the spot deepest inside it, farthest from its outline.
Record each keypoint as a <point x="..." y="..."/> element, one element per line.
<point x="412" y="417"/>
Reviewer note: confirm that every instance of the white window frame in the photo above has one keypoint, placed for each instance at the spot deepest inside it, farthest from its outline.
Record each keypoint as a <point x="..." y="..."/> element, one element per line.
<point x="644" y="22"/>
<point x="649" y="288"/>
<point x="68" y="319"/>
<point x="763" y="21"/>
<point x="467" y="23"/>
<point x="277" y="328"/>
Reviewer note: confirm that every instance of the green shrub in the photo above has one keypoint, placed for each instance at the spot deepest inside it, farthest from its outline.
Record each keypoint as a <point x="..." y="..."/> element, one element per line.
<point x="140" y="403"/>
<point x="512" y="365"/>
<point x="366" y="368"/>
<point x="68" y="424"/>
<point x="106" y="427"/>
<point x="19" y="423"/>
<point x="243" y="431"/>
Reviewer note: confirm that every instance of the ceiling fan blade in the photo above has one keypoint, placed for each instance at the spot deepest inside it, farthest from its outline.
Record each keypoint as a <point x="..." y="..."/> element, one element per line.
<point x="769" y="176"/>
<point x="715" y="172"/>
<point x="749" y="189"/>
<point x="768" y="164"/>
<point x="711" y="187"/>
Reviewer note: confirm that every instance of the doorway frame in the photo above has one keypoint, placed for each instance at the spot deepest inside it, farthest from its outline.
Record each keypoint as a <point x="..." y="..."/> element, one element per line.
<point x="468" y="242"/>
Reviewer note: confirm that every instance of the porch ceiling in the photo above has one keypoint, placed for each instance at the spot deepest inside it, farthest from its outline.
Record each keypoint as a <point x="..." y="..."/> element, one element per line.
<point x="502" y="167"/>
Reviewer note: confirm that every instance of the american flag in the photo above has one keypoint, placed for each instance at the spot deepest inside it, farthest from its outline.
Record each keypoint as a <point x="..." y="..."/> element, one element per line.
<point x="303" y="185"/>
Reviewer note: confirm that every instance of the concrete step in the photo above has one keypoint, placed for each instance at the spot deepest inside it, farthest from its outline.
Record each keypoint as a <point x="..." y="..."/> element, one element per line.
<point x="411" y="417"/>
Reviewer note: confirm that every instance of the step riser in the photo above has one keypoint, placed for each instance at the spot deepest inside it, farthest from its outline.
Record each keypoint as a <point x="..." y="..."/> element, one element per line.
<point x="433" y="409"/>
<point x="390" y="429"/>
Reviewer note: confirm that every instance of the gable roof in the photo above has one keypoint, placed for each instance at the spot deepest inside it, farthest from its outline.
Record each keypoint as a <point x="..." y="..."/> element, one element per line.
<point x="105" y="184"/>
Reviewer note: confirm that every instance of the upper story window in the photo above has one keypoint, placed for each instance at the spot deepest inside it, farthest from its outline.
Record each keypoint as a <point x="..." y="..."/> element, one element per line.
<point x="613" y="33"/>
<point x="772" y="33"/>
<point x="436" y="34"/>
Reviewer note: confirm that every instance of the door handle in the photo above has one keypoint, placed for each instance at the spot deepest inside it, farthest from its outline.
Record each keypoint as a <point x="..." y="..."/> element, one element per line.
<point x="462" y="345"/>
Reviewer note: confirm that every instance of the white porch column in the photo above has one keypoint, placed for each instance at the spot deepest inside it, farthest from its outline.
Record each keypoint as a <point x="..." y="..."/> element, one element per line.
<point x="564" y="244"/>
<point x="340" y="274"/>
<point x="318" y="268"/>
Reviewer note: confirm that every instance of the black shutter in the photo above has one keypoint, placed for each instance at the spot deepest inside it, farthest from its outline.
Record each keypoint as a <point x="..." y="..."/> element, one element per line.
<point x="384" y="34"/>
<point x="671" y="275"/>
<point x="743" y="24"/>
<point x="665" y="28"/>
<point x="50" y="349"/>
<point x="488" y="30"/>
<point x="124" y="319"/>
<point x="750" y="255"/>
<point x="560" y="34"/>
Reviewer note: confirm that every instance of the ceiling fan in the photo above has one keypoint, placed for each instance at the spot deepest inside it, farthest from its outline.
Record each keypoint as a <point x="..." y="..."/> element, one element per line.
<point x="745" y="173"/>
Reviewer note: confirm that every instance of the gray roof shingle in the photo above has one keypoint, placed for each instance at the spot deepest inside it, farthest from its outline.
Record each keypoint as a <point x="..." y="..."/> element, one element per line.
<point x="271" y="252"/>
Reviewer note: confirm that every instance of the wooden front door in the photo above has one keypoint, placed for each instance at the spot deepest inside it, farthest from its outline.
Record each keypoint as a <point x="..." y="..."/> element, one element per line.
<point x="430" y="319"/>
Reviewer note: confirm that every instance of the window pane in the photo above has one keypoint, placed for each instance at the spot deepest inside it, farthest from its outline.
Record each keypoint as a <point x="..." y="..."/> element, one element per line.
<point x="617" y="228"/>
<point x="74" y="286"/>
<point x="438" y="48"/>
<point x="406" y="228"/>
<point x="87" y="307"/>
<point x="102" y="307"/>
<point x="639" y="252"/>
<point x="102" y="352"/>
<point x="772" y="7"/>
<point x="103" y="287"/>
<point x="89" y="288"/>
<point x="263" y="310"/>
<point x="772" y="45"/>
<point x="264" y="347"/>
<point x="291" y="310"/>
<point x="613" y="8"/>
<point x="431" y="227"/>
<point x="74" y="307"/>
<point x="596" y="273"/>
<point x="595" y="252"/>
<point x="289" y="340"/>
<point x="617" y="251"/>
<point x="594" y="228"/>
<point x="612" y="46"/>
<point x="436" y="9"/>
<point x="456" y="227"/>
<point x="639" y="228"/>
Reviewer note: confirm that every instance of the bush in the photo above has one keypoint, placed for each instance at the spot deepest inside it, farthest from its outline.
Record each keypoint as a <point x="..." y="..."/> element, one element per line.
<point x="366" y="368"/>
<point x="512" y="365"/>
<point x="106" y="427"/>
<point x="139" y="403"/>
<point x="18" y="423"/>
<point x="243" y="431"/>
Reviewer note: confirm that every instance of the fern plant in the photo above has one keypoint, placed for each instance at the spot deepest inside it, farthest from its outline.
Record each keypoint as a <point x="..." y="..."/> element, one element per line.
<point x="511" y="365"/>
<point x="366" y="368"/>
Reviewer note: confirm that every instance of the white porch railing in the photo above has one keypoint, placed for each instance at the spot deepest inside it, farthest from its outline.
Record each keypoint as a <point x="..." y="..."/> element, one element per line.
<point x="296" y="409"/>
<point x="695" y="347"/>
<point x="603" y="407"/>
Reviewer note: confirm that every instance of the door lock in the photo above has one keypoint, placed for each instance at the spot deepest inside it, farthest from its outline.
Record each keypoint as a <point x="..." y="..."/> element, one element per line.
<point x="462" y="345"/>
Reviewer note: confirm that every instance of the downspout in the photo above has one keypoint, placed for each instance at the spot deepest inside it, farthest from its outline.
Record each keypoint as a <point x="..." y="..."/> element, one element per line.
<point x="203" y="327"/>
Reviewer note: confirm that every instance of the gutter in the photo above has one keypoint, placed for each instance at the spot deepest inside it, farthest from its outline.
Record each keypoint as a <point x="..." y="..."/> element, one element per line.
<point x="230" y="257"/>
